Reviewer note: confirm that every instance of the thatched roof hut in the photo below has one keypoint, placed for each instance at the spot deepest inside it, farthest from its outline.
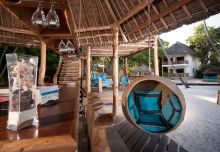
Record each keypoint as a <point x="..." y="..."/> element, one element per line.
<point x="90" y="22"/>
<point x="214" y="70"/>
<point x="179" y="49"/>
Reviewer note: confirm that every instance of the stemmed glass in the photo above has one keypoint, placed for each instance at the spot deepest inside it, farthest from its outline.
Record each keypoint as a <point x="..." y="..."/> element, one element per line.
<point x="52" y="18"/>
<point x="62" y="47"/>
<point x="38" y="18"/>
<point x="70" y="48"/>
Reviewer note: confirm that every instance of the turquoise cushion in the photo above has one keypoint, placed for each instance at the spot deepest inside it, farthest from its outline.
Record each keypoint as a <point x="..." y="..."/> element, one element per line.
<point x="148" y="103"/>
<point x="133" y="111"/>
<point x="152" y="128"/>
<point x="175" y="118"/>
<point x="171" y="110"/>
<point x="48" y="89"/>
<point x="167" y="110"/>
<point x="148" y="100"/>
<point x="104" y="76"/>
<point x="149" y="92"/>
<point x="175" y="101"/>
<point x="149" y="118"/>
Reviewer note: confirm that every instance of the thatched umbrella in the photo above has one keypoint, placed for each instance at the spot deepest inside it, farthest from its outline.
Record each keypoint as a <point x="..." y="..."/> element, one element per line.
<point x="141" y="69"/>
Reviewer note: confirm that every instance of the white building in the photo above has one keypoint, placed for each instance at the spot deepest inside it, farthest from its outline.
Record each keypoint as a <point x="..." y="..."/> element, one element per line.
<point x="183" y="61"/>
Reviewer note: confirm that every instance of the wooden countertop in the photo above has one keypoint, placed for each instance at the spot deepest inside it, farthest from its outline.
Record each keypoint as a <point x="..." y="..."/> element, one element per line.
<point x="61" y="119"/>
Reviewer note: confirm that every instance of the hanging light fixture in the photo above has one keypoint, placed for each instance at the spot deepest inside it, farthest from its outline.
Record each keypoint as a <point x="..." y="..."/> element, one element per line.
<point x="71" y="50"/>
<point x="62" y="47"/>
<point x="52" y="18"/>
<point x="38" y="18"/>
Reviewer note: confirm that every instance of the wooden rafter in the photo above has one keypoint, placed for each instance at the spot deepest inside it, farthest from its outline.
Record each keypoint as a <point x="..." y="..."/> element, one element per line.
<point x="135" y="10"/>
<point x="71" y="24"/>
<point x="33" y="4"/>
<point x="162" y="14"/>
<point x="115" y="19"/>
<point x="187" y="11"/>
<point x="24" y="15"/>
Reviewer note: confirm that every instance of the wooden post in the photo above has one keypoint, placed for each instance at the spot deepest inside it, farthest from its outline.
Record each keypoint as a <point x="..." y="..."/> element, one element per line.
<point x="88" y="72"/>
<point x="100" y="84"/>
<point x="115" y="70"/>
<point x="125" y="63"/>
<point x="42" y="64"/>
<point x="58" y="70"/>
<point x="156" y="65"/>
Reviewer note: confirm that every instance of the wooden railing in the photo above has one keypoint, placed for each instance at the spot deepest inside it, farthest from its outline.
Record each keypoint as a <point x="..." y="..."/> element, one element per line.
<point x="58" y="70"/>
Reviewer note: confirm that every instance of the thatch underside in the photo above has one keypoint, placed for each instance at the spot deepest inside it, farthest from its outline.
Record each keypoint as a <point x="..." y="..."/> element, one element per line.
<point x="90" y="22"/>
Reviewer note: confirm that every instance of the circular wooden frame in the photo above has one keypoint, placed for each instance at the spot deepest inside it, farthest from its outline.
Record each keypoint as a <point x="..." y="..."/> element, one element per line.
<point x="169" y="86"/>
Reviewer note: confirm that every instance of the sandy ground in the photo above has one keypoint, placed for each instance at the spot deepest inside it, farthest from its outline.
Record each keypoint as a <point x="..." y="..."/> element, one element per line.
<point x="200" y="130"/>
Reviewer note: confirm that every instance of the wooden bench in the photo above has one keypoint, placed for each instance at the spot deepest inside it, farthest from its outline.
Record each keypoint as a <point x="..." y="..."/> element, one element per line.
<point x="124" y="137"/>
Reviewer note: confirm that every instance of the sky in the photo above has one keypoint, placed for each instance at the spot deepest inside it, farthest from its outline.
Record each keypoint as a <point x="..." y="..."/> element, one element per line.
<point x="181" y="34"/>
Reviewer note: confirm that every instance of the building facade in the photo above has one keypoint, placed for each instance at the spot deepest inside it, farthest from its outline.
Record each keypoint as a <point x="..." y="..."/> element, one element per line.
<point x="182" y="57"/>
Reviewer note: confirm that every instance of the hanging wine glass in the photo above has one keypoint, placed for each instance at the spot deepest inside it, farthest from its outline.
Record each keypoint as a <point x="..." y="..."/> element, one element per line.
<point x="38" y="18"/>
<point x="62" y="47"/>
<point x="70" y="48"/>
<point x="52" y="18"/>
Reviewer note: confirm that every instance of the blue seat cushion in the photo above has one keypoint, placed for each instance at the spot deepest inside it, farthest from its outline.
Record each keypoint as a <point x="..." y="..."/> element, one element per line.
<point x="154" y="93"/>
<point x="175" y="101"/>
<point x="133" y="110"/>
<point x="153" y="128"/>
<point x="148" y="103"/>
<point x="148" y="100"/>
<point x="151" y="118"/>
<point x="49" y="90"/>
<point x="171" y="110"/>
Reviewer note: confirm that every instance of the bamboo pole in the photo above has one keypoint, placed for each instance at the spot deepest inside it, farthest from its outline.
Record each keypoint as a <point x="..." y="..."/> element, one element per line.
<point x="115" y="70"/>
<point x="42" y="69"/>
<point x="88" y="72"/>
<point x="58" y="70"/>
<point x="156" y="65"/>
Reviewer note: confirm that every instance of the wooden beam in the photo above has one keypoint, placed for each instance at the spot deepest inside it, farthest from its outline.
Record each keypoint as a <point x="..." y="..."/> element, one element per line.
<point x="42" y="69"/>
<point x="93" y="28"/>
<point x="115" y="70"/>
<point x="34" y="4"/>
<point x="136" y="52"/>
<point x="156" y="64"/>
<point x="57" y="71"/>
<point x="115" y="19"/>
<point x="135" y="10"/>
<point x="88" y="71"/>
<point x="16" y="30"/>
<point x="204" y="7"/>
<point x="187" y="11"/>
<point x="162" y="14"/>
<point x="71" y="23"/>
<point x="24" y="16"/>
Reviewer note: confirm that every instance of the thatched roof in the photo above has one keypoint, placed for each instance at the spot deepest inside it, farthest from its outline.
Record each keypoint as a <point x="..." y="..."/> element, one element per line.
<point x="214" y="70"/>
<point x="90" y="22"/>
<point x="179" y="49"/>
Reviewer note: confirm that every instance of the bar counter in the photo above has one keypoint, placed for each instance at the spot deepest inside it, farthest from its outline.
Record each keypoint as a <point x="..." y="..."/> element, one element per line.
<point x="57" y="131"/>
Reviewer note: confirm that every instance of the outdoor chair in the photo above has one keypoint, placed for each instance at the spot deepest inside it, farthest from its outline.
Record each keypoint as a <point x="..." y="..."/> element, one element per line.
<point x="153" y="105"/>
